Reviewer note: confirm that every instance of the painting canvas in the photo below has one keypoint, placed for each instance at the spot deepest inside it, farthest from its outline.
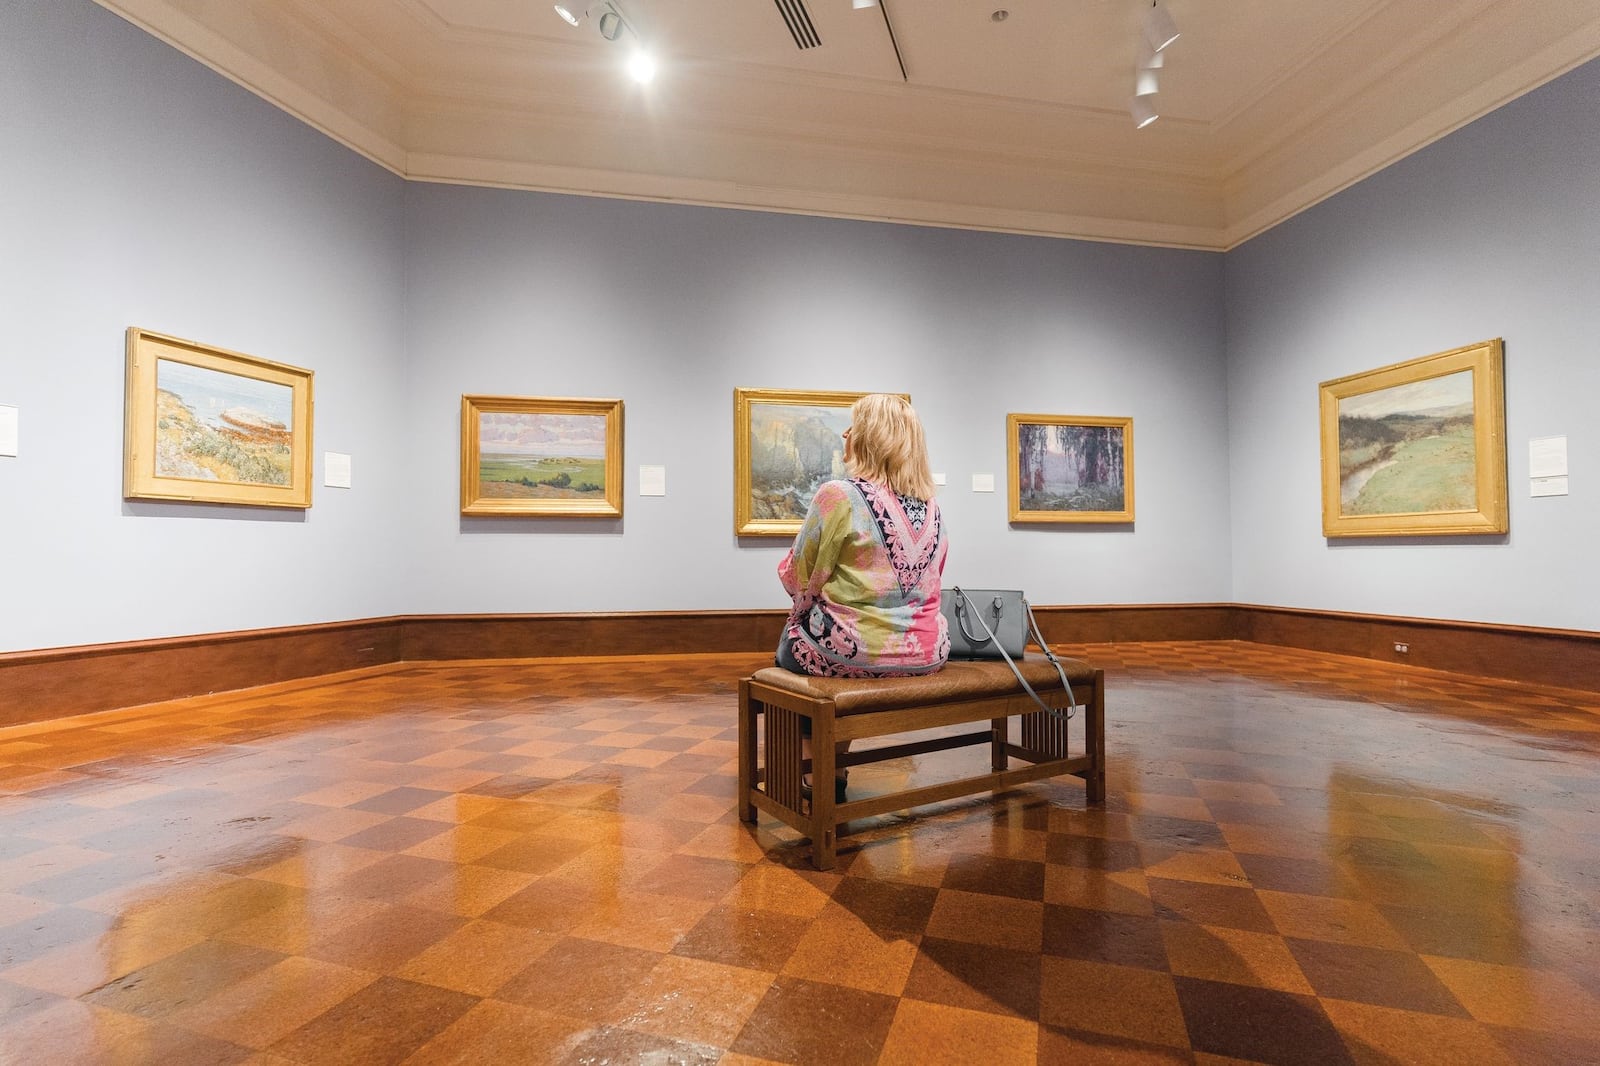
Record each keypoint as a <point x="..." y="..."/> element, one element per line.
<point x="1418" y="447"/>
<point x="1070" y="468"/>
<point x="208" y="425"/>
<point x="786" y="443"/>
<point x="541" y="456"/>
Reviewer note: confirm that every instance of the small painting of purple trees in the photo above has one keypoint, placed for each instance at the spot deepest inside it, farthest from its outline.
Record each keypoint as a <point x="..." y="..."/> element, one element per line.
<point x="1071" y="469"/>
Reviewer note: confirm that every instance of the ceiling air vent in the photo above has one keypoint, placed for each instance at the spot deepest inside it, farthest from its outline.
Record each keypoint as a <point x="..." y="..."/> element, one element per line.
<point x="798" y="19"/>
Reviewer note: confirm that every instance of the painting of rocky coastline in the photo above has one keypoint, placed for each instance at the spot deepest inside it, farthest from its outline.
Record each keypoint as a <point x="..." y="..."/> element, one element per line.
<point x="216" y="426"/>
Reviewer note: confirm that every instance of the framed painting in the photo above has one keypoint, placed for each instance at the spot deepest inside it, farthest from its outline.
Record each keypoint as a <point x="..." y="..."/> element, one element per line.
<point x="1418" y="448"/>
<point x="786" y="442"/>
<point x="1069" y="468"/>
<point x="206" y="425"/>
<point x="541" y="456"/>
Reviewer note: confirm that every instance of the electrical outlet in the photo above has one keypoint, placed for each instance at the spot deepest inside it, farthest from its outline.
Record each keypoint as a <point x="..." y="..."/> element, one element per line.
<point x="1403" y="649"/>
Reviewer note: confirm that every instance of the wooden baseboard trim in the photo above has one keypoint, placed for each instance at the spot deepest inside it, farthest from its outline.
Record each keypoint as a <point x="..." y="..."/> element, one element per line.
<point x="57" y="682"/>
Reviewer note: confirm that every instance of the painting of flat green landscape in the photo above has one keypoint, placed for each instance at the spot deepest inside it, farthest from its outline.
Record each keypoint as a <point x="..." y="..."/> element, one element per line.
<point x="1409" y="449"/>
<point x="540" y="456"/>
<point x="215" y="426"/>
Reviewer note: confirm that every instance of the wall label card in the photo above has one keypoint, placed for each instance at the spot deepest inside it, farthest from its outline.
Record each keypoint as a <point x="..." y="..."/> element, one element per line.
<point x="1547" y="457"/>
<point x="8" y="430"/>
<point x="336" y="470"/>
<point x="652" y="481"/>
<point x="982" y="482"/>
<point x="1548" y="486"/>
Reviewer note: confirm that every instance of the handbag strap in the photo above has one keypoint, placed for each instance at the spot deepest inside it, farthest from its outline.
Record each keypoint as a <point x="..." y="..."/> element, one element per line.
<point x="1033" y="624"/>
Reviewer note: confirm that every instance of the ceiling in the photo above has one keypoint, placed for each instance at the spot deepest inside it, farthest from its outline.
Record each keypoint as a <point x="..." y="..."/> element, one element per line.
<point x="1018" y="125"/>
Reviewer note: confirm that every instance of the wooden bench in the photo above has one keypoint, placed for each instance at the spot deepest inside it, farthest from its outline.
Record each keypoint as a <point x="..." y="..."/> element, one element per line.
<point x="840" y="709"/>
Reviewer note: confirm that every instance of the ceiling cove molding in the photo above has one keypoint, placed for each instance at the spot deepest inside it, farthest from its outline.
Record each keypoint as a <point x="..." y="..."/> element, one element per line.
<point x="698" y="192"/>
<point x="217" y="53"/>
<point x="1572" y="51"/>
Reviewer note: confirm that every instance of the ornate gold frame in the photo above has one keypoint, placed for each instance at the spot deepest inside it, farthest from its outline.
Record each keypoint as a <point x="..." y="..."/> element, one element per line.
<point x="1014" y="424"/>
<point x="1487" y="362"/>
<point x="471" y="458"/>
<point x="140" y="424"/>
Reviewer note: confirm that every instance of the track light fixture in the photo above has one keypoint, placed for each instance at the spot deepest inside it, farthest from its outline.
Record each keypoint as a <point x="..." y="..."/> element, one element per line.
<point x="611" y="23"/>
<point x="1143" y="110"/>
<point x="859" y="4"/>
<point x="1159" y="28"/>
<point x="1157" y="32"/>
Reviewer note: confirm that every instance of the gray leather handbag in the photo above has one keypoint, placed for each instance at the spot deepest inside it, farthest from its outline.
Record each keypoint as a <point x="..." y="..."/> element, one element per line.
<point x="996" y="624"/>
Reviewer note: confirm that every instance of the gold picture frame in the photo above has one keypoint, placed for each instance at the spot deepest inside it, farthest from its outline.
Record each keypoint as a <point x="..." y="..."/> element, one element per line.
<point x="780" y="438"/>
<point x="1417" y="448"/>
<point x="206" y="425"/>
<point x="508" y="442"/>
<point x="1069" y="468"/>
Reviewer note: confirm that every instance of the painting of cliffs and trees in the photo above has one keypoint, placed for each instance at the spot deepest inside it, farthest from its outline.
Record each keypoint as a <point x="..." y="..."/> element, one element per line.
<point x="1417" y="447"/>
<point x="1068" y="468"/>
<point x="786" y="444"/>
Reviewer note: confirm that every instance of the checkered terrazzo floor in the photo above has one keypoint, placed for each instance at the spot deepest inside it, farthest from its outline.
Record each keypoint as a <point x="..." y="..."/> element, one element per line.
<point x="1303" y="859"/>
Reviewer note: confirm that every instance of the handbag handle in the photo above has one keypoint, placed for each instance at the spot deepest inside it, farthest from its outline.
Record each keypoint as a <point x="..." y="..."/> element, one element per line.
<point x="961" y="618"/>
<point x="1033" y="625"/>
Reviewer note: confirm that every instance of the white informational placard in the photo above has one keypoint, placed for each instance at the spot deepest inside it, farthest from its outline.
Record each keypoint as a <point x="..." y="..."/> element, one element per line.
<point x="336" y="470"/>
<point x="8" y="430"/>
<point x="652" y="481"/>
<point x="1548" y="486"/>
<point x="1547" y="457"/>
<point x="938" y="479"/>
<point x="982" y="482"/>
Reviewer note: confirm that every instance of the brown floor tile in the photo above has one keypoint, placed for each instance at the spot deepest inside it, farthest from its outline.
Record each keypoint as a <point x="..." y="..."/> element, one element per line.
<point x="995" y="876"/>
<point x="267" y="1006"/>
<point x="477" y="958"/>
<point x="1520" y="998"/>
<point x="1378" y="1036"/>
<point x="1115" y="1001"/>
<point x="1234" y="956"/>
<point x="1068" y="1046"/>
<point x="1376" y="976"/>
<point x="888" y="908"/>
<point x="925" y="1034"/>
<point x="737" y="936"/>
<point x="976" y="977"/>
<point x="495" y="1032"/>
<point x="840" y="948"/>
<point x="1104" y="936"/>
<point x="1127" y="892"/>
<point x="384" y="1022"/>
<point x="1341" y="921"/>
<point x="1208" y="904"/>
<point x="800" y="1021"/>
<point x="1258" y="1025"/>
<point x="579" y="978"/>
<point x="694" y="1001"/>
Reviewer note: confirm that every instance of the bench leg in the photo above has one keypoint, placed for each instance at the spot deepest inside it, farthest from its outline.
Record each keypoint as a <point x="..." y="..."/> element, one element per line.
<point x="823" y="763"/>
<point x="747" y="753"/>
<point x="1094" y="721"/>
<point x="998" y="760"/>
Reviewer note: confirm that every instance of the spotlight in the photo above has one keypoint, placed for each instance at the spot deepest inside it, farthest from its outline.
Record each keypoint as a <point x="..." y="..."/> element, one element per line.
<point x="1143" y="111"/>
<point x="859" y="4"/>
<point x="1149" y="58"/>
<point x="571" y="12"/>
<point x="611" y="23"/>
<point x="641" y="66"/>
<point x="1159" y="29"/>
<point x="1144" y="82"/>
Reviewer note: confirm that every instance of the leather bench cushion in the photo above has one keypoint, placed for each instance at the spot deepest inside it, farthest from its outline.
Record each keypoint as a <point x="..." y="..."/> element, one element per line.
<point x="959" y="680"/>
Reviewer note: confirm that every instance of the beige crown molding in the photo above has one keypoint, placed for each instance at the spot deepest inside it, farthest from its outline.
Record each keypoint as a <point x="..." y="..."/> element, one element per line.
<point x="437" y="102"/>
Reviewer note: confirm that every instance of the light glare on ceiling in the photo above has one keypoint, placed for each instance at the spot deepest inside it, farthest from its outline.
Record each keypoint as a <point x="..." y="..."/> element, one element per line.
<point x="642" y="66"/>
<point x="1143" y="112"/>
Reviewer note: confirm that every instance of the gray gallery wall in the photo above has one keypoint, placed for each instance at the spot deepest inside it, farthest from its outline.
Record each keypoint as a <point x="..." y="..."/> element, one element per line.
<point x="672" y="307"/>
<point x="1493" y="231"/>
<point x="138" y="188"/>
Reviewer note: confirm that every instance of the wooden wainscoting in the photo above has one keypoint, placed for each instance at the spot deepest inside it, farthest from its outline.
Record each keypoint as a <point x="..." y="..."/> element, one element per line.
<point x="38" y="685"/>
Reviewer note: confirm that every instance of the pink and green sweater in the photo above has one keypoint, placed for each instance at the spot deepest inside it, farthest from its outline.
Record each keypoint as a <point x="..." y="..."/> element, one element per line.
<point x="864" y="573"/>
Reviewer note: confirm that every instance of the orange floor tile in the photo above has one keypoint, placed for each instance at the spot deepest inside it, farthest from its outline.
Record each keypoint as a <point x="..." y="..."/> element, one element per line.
<point x="1303" y="859"/>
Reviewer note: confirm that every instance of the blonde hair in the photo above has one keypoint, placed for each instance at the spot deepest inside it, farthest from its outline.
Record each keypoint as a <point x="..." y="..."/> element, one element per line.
<point x="887" y="445"/>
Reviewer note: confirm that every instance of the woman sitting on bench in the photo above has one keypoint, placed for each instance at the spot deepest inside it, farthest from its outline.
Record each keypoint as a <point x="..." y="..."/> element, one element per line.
<point x="865" y="568"/>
